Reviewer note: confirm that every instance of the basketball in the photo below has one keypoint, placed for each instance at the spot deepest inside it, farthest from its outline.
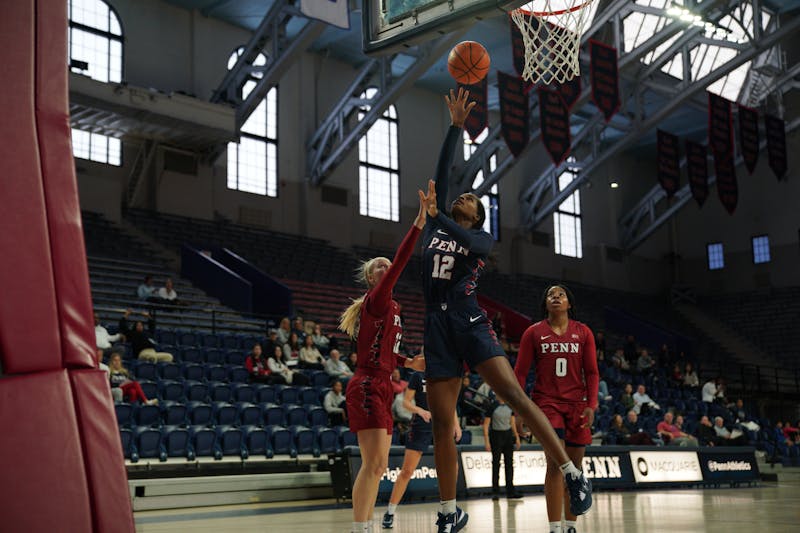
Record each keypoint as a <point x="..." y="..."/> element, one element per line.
<point x="468" y="62"/>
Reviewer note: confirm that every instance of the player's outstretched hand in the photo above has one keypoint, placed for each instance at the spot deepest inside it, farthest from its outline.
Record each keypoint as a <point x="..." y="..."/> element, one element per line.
<point x="587" y="417"/>
<point x="430" y="199"/>
<point x="420" y="220"/>
<point x="458" y="106"/>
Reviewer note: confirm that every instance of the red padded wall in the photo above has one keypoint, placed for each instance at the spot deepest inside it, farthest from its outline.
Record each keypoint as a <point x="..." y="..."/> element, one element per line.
<point x="60" y="186"/>
<point x="105" y="467"/>
<point x="29" y="339"/>
<point x="44" y="481"/>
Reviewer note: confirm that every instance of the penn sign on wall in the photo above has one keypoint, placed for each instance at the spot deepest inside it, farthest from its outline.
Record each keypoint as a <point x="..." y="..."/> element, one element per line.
<point x="665" y="467"/>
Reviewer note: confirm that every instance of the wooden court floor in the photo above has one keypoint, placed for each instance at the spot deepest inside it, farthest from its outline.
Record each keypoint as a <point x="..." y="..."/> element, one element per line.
<point x="773" y="507"/>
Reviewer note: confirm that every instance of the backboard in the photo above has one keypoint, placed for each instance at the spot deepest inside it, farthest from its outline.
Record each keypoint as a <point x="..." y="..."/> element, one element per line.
<point x="393" y="25"/>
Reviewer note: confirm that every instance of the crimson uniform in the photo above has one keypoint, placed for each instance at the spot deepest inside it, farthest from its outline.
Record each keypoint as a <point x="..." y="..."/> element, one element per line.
<point x="566" y="376"/>
<point x="369" y="392"/>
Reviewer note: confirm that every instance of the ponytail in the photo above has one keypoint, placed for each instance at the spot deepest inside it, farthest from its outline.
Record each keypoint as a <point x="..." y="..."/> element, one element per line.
<point x="348" y="321"/>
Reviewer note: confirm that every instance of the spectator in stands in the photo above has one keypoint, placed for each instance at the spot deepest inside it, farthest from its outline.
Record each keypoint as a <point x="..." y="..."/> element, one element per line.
<point x="400" y="413"/>
<point x="116" y="392"/>
<point x="627" y="397"/>
<point x="619" y="360"/>
<point x="292" y="349"/>
<point x="690" y="379"/>
<point x="676" y="376"/>
<point x="351" y="361"/>
<point x="399" y="385"/>
<point x="727" y="437"/>
<point x="618" y="433"/>
<point x="103" y="339"/>
<point x="299" y="328"/>
<point x="256" y="365"/>
<point x="484" y="395"/>
<point x="638" y="435"/>
<point x="780" y="436"/>
<point x="600" y="345"/>
<point x="271" y="342"/>
<point x="602" y="392"/>
<point x="664" y="355"/>
<point x="672" y="435"/>
<point x="284" y="330"/>
<point x="282" y="373"/>
<point x="741" y="417"/>
<point x="466" y="406"/>
<point x="711" y="392"/>
<point x="335" y="404"/>
<point x="321" y="341"/>
<point x="310" y="357"/>
<point x="143" y="345"/>
<point x="146" y="292"/>
<point x="630" y="350"/>
<point x="645" y="363"/>
<point x="642" y="402"/>
<point x="120" y="377"/>
<point x="791" y="433"/>
<point x="336" y="368"/>
<point x="706" y="435"/>
<point x="168" y="295"/>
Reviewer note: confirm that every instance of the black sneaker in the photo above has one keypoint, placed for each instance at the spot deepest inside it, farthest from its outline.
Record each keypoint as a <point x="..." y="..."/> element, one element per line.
<point x="388" y="521"/>
<point x="495" y="495"/>
<point x="570" y="529"/>
<point x="514" y="496"/>
<point x="580" y="493"/>
<point x="452" y="522"/>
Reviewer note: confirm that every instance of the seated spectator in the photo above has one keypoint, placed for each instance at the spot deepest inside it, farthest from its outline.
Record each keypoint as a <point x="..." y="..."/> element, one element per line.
<point x="398" y="384"/>
<point x="146" y="292"/>
<point x="780" y="436"/>
<point x="791" y="433"/>
<point x="116" y="392"/>
<point x="602" y="391"/>
<point x="321" y="341"/>
<point x="727" y="437"/>
<point x="335" y="405"/>
<point x="310" y="358"/>
<point x="638" y="435"/>
<point x="740" y="416"/>
<point x="619" y="360"/>
<point x="643" y="403"/>
<point x="281" y="373"/>
<point x="466" y="406"/>
<point x="291" y="350"/>
<point x="256" y="365"/>
<point x="484" y="396"/>
<point x="143" y="346"/>
<point x="271" y="342"/>
<point x="600" y="345"/>
<point x="690" y="379"/>
<point x="168" y="295"/>
<point x="351" y="361"/>
<point x="712" y="392"/>
<point x="645" y="363"/>
<point x="677" y="375"/>
<point x="336" y="368"/>
<point x="299" y="328"/>
<point x="400" y="411"/>
<point x="120" y="377"/>
<point x="672" y="435"/>
<point x="706" y="435"/>
<point x="103" y="339"/>
<point x="627" y="397"/>
<point x="618" y="433"/>
<point x="283" y="331"/>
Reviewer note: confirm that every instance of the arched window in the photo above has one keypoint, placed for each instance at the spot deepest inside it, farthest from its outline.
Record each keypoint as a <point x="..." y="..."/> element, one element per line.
<point x="253" y="161"/>
<point x="95" y="40"/>
<point x="379" y="176"/>
<point x="491" y="199"/>
<point x="567" y="219"/>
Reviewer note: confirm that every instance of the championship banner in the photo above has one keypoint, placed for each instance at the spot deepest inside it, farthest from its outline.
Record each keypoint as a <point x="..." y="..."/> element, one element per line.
<point x="478" y="119"/>
<point x="554" y="122"/>
<point x="604" y="77"/>
<point x="748" y="136"/>
<point x="697" y="165"/>
<point x="517" y="46"/>
<point x="570" y="91"/>
<point x="776" y="145"/>
<point x="669" y="166"/>
<point x="514" y="112"/>
<point x="727" y="188"/>
<point x="720" y="125"/>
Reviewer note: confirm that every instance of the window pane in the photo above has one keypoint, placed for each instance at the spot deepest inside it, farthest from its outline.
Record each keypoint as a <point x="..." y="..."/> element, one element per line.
<point x="761" y="249"/>
<point x="716" y="259"/>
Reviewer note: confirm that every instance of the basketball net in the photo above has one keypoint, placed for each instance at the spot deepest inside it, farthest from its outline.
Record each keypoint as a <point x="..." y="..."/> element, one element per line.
<point x="551" y="31"/>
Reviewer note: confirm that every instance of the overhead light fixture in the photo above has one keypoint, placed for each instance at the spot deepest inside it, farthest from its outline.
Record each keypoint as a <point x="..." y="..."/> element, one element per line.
<point x="614" y="185"/>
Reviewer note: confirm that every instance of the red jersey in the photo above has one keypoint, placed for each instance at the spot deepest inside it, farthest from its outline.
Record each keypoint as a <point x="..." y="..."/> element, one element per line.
<point x="565" y="365"/>
<point x="379" y="330"/>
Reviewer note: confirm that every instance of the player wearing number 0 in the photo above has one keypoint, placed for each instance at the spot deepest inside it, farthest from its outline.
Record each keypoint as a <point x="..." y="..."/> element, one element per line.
<point x="565" y="363"/>
<point x="374" y="319"/>
<point x="419" y="437"/>
<point x="457" y="330"/>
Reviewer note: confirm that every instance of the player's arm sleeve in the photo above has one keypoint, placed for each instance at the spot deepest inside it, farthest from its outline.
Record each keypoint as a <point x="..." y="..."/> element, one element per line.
<point x="443" y="166"/>
<point x="524" y="357"/>
<point x="379" y="298"/>
<point x="590" y="372"/>
<point x="476" y="241"/>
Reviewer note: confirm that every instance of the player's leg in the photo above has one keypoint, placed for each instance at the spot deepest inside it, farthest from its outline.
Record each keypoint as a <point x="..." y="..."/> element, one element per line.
<point x="576" y="454"/>
<point x="508" y="464"/>
<point x="554" y="491"/>
<point x="494" y="444"/>
<point x="374" y="444"/>
<point x="410" y="462"/>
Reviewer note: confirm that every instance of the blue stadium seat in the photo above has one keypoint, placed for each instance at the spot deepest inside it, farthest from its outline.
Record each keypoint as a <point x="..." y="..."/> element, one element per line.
<point x="216" y="373"/>
<point x="296" y="415"/>
<point x="195" y="391"/>
<point x="289" y="395"/>
<point x="257" y="441"/>
<point x="147" y="415"/>
<point x="150" y="388"/>
<point x="174" y="413"/>
<point x="327" y="439"/>
<point x="304" y="440"/>
<point x="273" y="414"/>
<point x="146" y="370"/>
<point x="215" y="356"/>
<point x="210" y="340"/>
<point x="193" y="371"/>
<point x="128" y="445"/>
<point x="347" y="437"/>
<point x="238" y="374"/>
<point x="466" y="437"/>
<point x="166" y="336"/>
<point x="321" y="393"/>
<point x="148" y="443"/>
<point x="243" y="393"/>
<point x="320" y="378"/>
<point x="231" y="342"/>
<point x="281" y="440"/>
<point x="317" y="416"/>
<point x="200" y="413"/>
<point x="265" y="393"/>
<point x="249" y="414"/>
<point x="204" y="442"/>
<point x="308" y="396"/>
<point x="177" y="442"/>
<point x="225" y="414"/>
<point x="169" y="370"/>
<point x="219" y="392"/>
<point x="231" y="441"/>
<point x="187" y="338"/>
<point x="235" y="358"/>
<point x="396" y="437"/>
<point x="191" y="355"/>
<point x="279" y="391"/>
<point x="124" y="412"/>
<point x="171" y="390"/>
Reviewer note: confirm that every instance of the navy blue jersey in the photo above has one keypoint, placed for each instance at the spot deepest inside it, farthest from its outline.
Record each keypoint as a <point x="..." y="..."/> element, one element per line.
<point x="418" y="385"/>
<point x="453" y="257"/>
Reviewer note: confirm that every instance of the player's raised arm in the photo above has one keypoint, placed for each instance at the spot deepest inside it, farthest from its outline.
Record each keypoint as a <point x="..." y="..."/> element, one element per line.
<point x="459" y="111"/>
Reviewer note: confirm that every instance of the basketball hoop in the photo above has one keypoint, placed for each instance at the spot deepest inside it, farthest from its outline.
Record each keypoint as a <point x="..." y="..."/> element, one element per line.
<point x="551" y="31"/>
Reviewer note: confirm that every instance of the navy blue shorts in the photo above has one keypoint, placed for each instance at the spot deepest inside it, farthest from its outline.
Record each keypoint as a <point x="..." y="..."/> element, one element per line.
<point x="458" y="335"/>
<point x="419" y="437"/>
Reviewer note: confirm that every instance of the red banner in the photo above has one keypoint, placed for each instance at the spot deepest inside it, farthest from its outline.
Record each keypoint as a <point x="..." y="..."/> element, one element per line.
<point x="570" y="91"/>
<point x="697" y="166"/>
<point x="727" y="188"/>
<point x="776" y="145"/>
<point x="748" y="136"/>
<point x="554" y="122"/>
<point x="605" y="77"/>
<point x="514" y="111"/>
<point x="669" y="165"/>
<point x="478" y="119"/>
<point x="720" y="125"/>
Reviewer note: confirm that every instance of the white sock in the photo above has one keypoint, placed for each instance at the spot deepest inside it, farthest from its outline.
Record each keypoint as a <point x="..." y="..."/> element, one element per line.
<point x="360" y="527"/>
<point x="448" y="507"/>
<point x="570" y="523"/>
<point x="555" y="527"/>
<point x="569" y="468"/>
<point x="392" y="508"/>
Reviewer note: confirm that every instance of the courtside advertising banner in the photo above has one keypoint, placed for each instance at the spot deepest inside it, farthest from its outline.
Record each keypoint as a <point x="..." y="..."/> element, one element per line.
<point x="729" y="465"/>
<point x="665" y="467"/>
<point x="530" y="467"/>
<point x="423" y="482"/>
